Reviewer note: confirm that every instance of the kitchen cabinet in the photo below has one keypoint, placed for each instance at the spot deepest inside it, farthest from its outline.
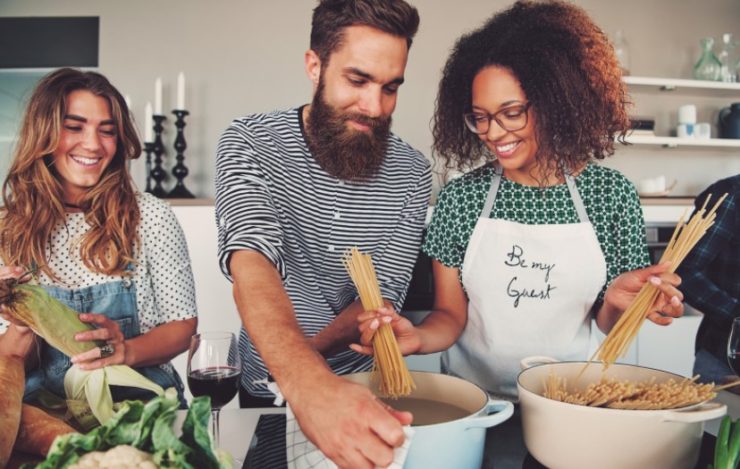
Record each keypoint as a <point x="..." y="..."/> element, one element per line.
<point x="49" y="42"/>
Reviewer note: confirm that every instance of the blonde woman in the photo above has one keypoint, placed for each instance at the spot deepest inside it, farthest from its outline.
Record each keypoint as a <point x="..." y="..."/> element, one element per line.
<point x="117" y="256"/>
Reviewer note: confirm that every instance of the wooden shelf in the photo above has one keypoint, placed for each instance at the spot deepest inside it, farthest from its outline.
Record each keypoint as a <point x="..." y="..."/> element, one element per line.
<point x="697" y="87"/>
<point x="674" y="142"/>
<point x="201" y="201"/>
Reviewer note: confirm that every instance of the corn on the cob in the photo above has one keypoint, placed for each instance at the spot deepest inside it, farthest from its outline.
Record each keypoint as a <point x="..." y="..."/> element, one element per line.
<point x="57" y="324"/>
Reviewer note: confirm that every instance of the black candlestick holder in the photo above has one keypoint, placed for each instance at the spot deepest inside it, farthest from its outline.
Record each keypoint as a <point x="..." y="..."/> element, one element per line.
<point x="158" y="173"/>
<point x="148" y="150"/>
<point x="180" y="171"/>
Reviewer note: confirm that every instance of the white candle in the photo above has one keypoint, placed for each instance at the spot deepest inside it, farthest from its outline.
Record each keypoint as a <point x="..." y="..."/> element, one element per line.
<point x="181" y="91"/>
<point x="158" y="97"/>
<point x="148" y="123"/>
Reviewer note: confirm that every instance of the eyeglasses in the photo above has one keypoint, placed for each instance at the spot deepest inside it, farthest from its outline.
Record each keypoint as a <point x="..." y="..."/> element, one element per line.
<point x="511" y="119"/>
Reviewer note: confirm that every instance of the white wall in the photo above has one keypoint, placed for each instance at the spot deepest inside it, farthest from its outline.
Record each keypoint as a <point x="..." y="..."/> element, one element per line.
<point x="244" y="56"/>
<point x="216" y="308"/>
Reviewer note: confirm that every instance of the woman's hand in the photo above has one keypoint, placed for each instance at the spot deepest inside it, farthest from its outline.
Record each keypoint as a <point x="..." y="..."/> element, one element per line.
<point x="667" y="306"/>
<point x="369" y="323"/>
<point x="13" y="272"/>
<point x="107" y="330"/>
<point x="19" y="339"/>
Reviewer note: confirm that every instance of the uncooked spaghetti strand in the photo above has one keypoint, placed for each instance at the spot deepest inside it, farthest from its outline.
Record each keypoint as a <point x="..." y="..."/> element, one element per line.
<point x="627" y="324"/>
<point x="674" y="236"/>
<point x="685" y="237"/>
<point x="395" y="379"/>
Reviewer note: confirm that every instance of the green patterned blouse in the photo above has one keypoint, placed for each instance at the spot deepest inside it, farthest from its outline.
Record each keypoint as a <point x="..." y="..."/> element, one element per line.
<point x="611" y="201"/>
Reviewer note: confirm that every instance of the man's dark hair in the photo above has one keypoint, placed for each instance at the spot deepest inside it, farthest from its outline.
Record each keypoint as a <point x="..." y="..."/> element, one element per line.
<point x="331" y="17"/>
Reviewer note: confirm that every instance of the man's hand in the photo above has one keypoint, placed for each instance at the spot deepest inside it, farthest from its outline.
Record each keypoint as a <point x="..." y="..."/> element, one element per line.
<point x="349" y="424"/>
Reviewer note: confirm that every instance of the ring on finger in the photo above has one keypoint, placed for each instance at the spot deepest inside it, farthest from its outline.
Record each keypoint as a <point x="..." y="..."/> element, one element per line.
<point x="107" y="350"/>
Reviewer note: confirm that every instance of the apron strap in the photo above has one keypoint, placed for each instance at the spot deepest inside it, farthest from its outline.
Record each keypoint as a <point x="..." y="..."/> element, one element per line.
<point x="576" y="196"/>
<point x="498" y="171"/>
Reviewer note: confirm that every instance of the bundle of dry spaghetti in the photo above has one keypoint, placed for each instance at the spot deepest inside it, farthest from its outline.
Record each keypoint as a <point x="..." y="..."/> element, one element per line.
<point x="626" y="394"/>
<point x="684" y="238"/>
<point x="395" y="379"/>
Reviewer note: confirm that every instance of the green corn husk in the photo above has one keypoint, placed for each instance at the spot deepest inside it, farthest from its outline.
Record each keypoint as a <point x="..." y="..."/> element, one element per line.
<point x="88" y="392"/>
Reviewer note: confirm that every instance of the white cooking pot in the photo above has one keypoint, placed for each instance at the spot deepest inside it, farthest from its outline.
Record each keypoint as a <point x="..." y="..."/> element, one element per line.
<point x="561" y="435"/>
<point x="455" y="444"/>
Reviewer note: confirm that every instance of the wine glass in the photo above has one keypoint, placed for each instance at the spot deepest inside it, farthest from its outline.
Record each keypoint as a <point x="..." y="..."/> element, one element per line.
<point x="214" y="369"/>
<point x="733" y="347"/>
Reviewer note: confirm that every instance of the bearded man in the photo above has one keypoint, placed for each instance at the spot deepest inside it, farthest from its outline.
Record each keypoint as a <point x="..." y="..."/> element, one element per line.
<point x="295" y="189"/>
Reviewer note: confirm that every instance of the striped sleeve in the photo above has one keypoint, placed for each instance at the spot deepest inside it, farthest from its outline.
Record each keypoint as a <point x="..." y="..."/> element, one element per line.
<point x="245" y="213"/>
<point x="399" y="256"/>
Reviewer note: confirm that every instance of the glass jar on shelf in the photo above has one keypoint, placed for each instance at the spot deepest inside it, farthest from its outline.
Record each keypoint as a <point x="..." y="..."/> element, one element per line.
<point x="708" y="67"/>
<point x="727" y="60"/>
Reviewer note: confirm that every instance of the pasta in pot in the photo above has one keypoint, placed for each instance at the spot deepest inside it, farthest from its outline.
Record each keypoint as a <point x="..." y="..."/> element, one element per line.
<point x="625" y="394"/>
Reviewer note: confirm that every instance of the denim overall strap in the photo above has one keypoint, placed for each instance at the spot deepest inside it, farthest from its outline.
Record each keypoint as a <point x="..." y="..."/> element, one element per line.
<point x="117" y="300"/>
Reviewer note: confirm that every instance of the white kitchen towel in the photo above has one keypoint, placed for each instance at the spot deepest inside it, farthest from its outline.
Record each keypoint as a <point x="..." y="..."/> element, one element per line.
<point x="302" y="454"/>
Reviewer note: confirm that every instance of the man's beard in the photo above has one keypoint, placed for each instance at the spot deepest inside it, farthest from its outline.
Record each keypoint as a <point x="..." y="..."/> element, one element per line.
<point x="347" y="154"/>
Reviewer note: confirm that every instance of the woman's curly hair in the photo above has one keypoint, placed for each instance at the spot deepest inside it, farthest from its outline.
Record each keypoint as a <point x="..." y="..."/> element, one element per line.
<point x="567" y="69"/>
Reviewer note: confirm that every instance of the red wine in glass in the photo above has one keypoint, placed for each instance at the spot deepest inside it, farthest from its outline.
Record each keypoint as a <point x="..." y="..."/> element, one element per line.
<point x="219" y="382"/>
<point x="213" y="370"/>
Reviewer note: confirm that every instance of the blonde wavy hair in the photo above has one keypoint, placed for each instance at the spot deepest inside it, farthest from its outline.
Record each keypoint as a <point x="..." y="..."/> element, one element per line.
<point x="33" y="195"/>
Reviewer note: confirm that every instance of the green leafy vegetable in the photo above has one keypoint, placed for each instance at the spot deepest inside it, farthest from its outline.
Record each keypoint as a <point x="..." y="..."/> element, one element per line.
<point x="727" y="448"/>
<point x="147" y="427"/>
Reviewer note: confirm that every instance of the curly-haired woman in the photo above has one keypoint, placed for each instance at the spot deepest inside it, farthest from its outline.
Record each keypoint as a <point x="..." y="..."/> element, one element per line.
<point x="537" y="241"/>
<point x="115" y="255"/>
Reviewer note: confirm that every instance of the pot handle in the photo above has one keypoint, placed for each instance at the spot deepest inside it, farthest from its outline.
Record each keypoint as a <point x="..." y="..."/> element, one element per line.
<point x="700" y="413"/>
<point x="503" y="409"/>
<point x="529" y="362"/>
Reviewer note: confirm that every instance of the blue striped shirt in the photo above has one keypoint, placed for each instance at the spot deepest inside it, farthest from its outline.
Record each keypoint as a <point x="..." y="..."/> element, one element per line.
<point x="272" y="197"/>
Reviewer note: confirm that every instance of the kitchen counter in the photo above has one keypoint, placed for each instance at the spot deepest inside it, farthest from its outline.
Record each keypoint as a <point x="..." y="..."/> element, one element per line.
<point x="504" y="447"/>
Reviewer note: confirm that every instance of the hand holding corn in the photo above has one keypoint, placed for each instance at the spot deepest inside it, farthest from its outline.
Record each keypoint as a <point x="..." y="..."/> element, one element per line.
<point x="60" y="326"/>
<point x="21" y="340"/>
<point x="106" y="330"/>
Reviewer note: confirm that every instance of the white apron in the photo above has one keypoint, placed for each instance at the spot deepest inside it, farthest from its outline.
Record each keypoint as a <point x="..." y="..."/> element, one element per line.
<point x="530" y="290"/>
